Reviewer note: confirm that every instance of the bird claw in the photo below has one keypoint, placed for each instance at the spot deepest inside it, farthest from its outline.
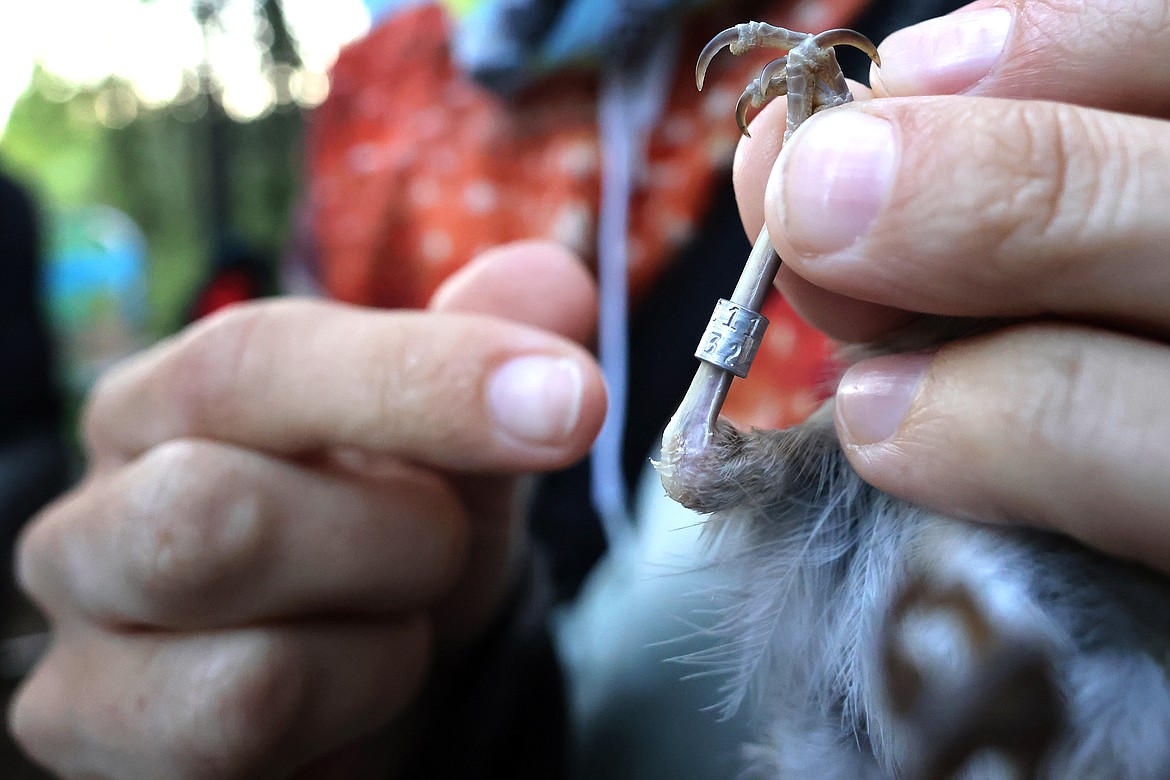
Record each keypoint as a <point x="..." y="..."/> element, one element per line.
<point x="748" y="97"/>
<point x="813" y="60"/>
<point x="844" y="37"/>
<point x="772" y="83"/>
<point x="743" y="38"/>
<point x="725" y="38"/>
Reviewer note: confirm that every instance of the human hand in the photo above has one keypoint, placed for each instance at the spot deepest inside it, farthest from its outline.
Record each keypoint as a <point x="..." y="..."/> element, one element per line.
<point x="289" y="507"/>
<point x="1052" y="207"/>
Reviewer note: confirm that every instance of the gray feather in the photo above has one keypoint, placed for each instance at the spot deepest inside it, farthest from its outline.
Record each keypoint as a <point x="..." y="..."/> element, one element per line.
<point x="815" y="558"/>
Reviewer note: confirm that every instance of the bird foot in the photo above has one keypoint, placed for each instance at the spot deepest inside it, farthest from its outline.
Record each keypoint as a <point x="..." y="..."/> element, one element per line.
<point x="809" y="75"/>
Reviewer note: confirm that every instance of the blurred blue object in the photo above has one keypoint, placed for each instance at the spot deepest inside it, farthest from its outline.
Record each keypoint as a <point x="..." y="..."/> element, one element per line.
<point x="96" y="289"/>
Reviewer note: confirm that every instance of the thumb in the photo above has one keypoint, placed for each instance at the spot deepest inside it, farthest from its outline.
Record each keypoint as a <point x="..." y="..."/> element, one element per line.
<point x="536" y="283"/>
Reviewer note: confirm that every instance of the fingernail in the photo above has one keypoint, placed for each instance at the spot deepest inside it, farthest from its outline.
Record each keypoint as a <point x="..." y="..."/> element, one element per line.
<point x="834" y="178"/>
<point x="536" y="399"/>
<point x="945" y="55"/>
<point x="874" y="396"/>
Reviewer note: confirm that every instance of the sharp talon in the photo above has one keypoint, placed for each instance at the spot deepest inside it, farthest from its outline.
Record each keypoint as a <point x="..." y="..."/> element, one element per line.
<point x="843" y="37"/>
<point x="725" y="38"/>
<point x="774" y="79"/>
<point x="778" y="64"/>
<point x="741" y="111"/>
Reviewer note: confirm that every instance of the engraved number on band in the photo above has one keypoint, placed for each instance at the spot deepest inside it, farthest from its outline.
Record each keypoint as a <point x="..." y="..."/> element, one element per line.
<point x="732" y="337"/>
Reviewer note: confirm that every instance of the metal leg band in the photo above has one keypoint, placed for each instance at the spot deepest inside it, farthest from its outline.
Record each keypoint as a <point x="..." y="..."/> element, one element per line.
<point x="732" y="337"/>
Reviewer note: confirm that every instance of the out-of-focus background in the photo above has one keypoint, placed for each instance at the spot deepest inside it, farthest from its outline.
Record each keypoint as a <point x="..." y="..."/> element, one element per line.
<point x="153" y="133"/>
<point x="151" y="156"/>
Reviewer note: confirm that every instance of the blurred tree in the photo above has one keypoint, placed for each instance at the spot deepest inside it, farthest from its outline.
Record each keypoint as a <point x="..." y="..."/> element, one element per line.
<point x="89" y="146"/>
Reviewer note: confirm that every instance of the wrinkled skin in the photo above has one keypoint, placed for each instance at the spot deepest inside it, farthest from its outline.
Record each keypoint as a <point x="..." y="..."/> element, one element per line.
<point x="284" y="524"/>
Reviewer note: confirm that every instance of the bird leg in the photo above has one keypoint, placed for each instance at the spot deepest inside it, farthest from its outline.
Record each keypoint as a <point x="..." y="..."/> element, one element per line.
<point x="812" y="79"/>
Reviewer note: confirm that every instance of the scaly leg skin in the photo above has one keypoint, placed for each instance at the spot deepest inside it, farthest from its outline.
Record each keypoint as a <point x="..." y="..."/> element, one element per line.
<point x="881" y="639"/>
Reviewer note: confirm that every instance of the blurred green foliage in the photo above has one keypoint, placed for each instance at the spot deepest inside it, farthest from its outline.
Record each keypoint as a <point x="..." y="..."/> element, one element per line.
<point x="158" y="169"/>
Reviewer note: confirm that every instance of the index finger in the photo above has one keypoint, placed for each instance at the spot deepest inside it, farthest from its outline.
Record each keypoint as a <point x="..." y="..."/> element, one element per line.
<point x="463" y="392"/>
<point x="839" y="316"/>
<point x="1102" y="53"/>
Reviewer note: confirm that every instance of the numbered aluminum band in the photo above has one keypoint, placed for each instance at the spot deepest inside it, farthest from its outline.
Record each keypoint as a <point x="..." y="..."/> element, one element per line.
<point x="732" y="337"/>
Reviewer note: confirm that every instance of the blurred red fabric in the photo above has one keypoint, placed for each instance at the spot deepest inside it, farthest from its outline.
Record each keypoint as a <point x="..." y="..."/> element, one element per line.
<point x="414" y="169"/>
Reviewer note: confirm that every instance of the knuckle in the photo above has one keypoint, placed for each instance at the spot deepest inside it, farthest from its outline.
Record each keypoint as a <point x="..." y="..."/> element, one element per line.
<point x="405" y="388"/>
<point x="206" y="367"/>
<point x="1028" y="204"/>
<point x="38" y="554"/>
<point x="94" y="420"/>
<point x="1064" y="183"/>
<point x="43" y="719"/>
<point x="251" y="692"/>
<point x="193" y="371"/>
<point x="190" y="526"/>
<point x="1053" y="29"/>
<point x="33" y="545"/>
<point x="1048" y="28"/>
<point x="1069" y="378"/>
<point x="29" y="722"/>
<point x="1074" y="171"/>
<point x="1039" y="168"/>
